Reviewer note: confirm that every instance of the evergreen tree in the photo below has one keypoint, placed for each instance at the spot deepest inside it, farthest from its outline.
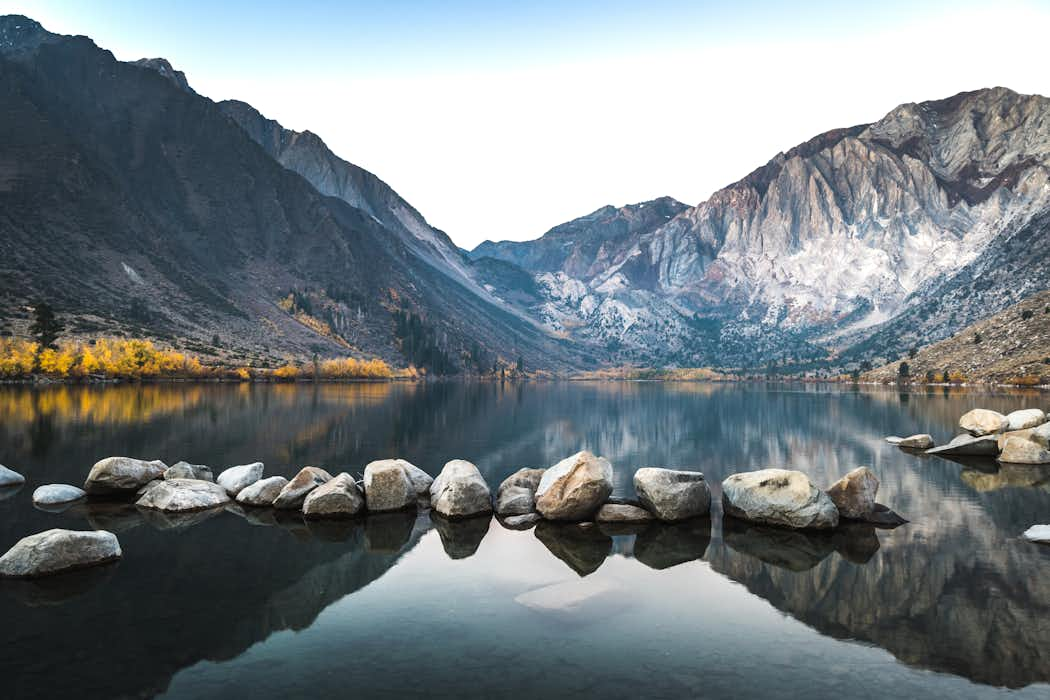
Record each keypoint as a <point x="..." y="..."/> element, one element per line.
<point x="45" y="327"/>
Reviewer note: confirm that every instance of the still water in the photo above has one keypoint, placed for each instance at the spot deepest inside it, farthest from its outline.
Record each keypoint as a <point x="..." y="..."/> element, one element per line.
<point x="227" y="604"/>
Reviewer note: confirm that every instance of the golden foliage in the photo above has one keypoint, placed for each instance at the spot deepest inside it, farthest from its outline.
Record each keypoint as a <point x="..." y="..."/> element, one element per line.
<point x="17" y="357"/>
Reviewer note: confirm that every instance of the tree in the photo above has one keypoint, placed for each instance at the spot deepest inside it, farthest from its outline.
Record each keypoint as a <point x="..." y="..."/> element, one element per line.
<point x="45" y="327"/>
<point x="946" y="377"/>
<point x="931" y="376"/>
<point x="855" y="375"/>
<point x="903" y="371"/>
<point x="1026" y="314"/>
<point x="521" y="365"/>
<point x="977" y="338"/>
<point x="913" y="352"/>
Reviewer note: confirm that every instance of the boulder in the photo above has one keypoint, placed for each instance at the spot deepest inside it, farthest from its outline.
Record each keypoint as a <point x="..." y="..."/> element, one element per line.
<point x="421" y="481"/>
<point x="295" y="491"/>
<point x="182" y="495"/>
<point x="1038" y="533"/>
<point x="54" y="494"/>
<point x="893" y="439"/>
<point x="236" y="479"/>
<point x="968" y="446"/>
<point x="1041" y="435"/>
<point x="523" y="478"/>
<point x="55" y="551"/>
<point x="460" y="491"/>
<point x="574" y="488"/>
<point x="10" y="477"/>
<point x="672" y="494"/>
<point x="1001" y="438"/>
<point x="515" y="500"/>
<point x="520" y="522"/>
<point x="1025" y="418"/>
<point x="1018" y="450"/>
<point x="387" y="486"/>
<point x="122" y="474"/>
<point x="981" y="421"/>
<point x="622" y="513"/>
<point x="854" y="494"/>
<point x="778" y="497"/>
<point x="921" y="441"/>
<point x="185" y="470"/>
<point x="339" y="498"/>
<point x="262" y="492"/>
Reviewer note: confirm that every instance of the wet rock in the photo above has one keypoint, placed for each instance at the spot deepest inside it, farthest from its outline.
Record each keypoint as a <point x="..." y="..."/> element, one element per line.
<point x="236" y="479"/>
<point x="181" y="495"/>
<point x="56" y="551"/>
<point x="580" y="545"/>
<point x="460" y="491"/>
<point x="387" y="486"/>
<point x="338" y="498"/>
<point x="9" y="477"/>
<point x="1041" y="435"/>
<point x="523" y="478"/>
<point x="968" y="446"/>
<point x="421" y="481"/>
<point x="672" y="494"/>
<point x="917" y="442"/>
<point x="185" y="470"/>
<point x="778" y="497"/>
<point x="574" y="488"/>
<point x="57" y="494"/>
<point x="1038" y="533"/>
<point x="263" y="492"/>
<point x="981" y="421"/>
<point x="663" y="545"/>
<point x="568" y="602"/>
<point x="883" y="517"/>
<point x="122" y="475"/>
<point x="893" y="439"/>
<point x="515" y="500"/>
<point x="295" y="491"/>
<point x="1025" y="418"/>
<point x="521" y="522"/>
<point x="616" y="513"/>
<point x="854" y="494"/>
<point x="1001" y="438"/>
<point x="461" y="537"/>
<point x="1018" y="450"/>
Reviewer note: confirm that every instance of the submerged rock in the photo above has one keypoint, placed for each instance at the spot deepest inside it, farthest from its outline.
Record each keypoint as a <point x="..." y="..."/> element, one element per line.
<point x="55" y="494"/>
<point x="295" y="491"/>
<point x="1038" y="533"/>
<point x="262" y="492"/>
<point x="1018" y="450"/>
<point x="672" y="494"/>
<point x="778" y="497"/>
<point x="854" y="494"/>
<point x="339" y="498"/>
<point x="236" y="479"/>
<point x="574" y="488"/>
<point x="1025" y="418"/>
<point x="916" y="442"/>
<point x="9" y="477"/>
<point x="981" y="421"/>
<point x="121" y="475"/>
<point x="388" y="486"/>
<point x="515" y="500"/>
<point x="460" y="491"/>
<point x="622" y="513"/>
<point x="55" y="551"/>
<point x="968" y="446"/>
<point x="521" y="522"/>
<point x="181" y="495"/>
<point x="185" y="470"/>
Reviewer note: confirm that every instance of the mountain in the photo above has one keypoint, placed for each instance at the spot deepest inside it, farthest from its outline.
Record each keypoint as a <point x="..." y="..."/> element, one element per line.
<point x="134" y="205"/>
<point x="850" y="246"/>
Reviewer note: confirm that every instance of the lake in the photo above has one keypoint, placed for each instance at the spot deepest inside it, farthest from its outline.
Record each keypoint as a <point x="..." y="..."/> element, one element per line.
<point x="952" y="605"/>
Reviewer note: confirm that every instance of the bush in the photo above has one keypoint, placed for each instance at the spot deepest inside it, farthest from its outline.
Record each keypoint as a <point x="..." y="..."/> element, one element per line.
<point x="1026" y="314"/>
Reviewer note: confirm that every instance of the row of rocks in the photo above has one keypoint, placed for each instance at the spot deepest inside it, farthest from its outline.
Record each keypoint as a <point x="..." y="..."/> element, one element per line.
<point x="1021" y="437"/>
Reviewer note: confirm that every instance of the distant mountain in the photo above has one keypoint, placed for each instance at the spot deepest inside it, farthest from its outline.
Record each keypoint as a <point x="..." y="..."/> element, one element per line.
<point x="849" y="246"/>
<point x="134" y="205"/>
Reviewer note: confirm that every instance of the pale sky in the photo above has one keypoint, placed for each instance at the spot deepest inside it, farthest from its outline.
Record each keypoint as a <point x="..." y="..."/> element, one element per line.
<point x="501" y="120"/>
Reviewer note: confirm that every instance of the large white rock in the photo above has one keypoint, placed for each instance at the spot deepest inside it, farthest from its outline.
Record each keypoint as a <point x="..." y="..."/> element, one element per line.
<point x="182" y="495"/>
<point x="338" y="498"/>
<point x="981" y="421"/>
<point x="968" y="445"/>
<point x="387" y="486"/>
<point x="55" y="551"/>
<point x="421" y="481"/>
<point x="236" y="479"/>
<point x="460" y="491"/>
<point x="1018" y="450"/>
<point x="122" y="474"/>
<point x="854" y="494"/>
<point x="672" y="494"/>
<point x="295" y="491"/>
<point x="9" y="477"/>
<point x="1025" y="418"/>
<point x="778" y="497"/>
<point x="185" y="470"/>
<point x="1038" y="533"/>
<point x="574" y="488"/>
<point x="262" y="492"/>
<point x="921" y="441"/>
<point x="55" y="494"/>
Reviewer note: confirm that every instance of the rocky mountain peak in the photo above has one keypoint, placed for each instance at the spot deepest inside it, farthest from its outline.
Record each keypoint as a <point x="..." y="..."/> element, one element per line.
<point x="162" y="66"/>
<point x="19" y="33"/>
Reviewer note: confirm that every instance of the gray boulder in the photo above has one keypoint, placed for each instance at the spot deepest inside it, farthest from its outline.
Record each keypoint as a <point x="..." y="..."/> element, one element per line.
<point x="54" y="494"/>
<point x="122" y="474"/>
<point x="520" y="522"/>
<point x="1025" y="418"/>
<point x="515" y="500"/>
<point x="295" y="491"/>
<point x="981" y="421"/>
<point x="1018" y="450"/>
<point x="574" y="488"/>
<point x="185" y="470"/>
<point x="421" y="481"/>
<point x="893" y="439"/>
<point x="262" y="492"/>
<point x="10" y="477"/>
<point x="55" y="551"/>
<point x="460" y="491"/>
<point x="854" y="494"/>
<point x="387" y="486"/>
<point x="622" y="513"/>
<point x="917" y="442"/>
<point x="672" y="494"/>
<point x="236" y="479"/>
<point x="338" y="498"/>
<point x="778" y="497"/>
<point x="968" y="446"/>
<point x="523" y="478"/>
<point x="183" y="495"/>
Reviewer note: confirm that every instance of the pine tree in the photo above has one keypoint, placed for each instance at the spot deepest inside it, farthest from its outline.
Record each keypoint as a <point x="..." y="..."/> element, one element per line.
<point x="45" y="327"/>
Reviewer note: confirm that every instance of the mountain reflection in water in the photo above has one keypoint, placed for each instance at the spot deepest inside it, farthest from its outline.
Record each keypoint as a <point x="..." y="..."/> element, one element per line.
<point x="955" y="591"/>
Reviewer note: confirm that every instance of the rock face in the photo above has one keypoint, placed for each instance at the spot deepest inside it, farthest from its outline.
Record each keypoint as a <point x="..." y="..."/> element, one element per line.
<point x="1025" y="418"/>
<point x="672" y="494"/>
<point x="263" y="492"/>
<point x="623" y="513"/>
<point x="981" y="421"/>
<point x="236" y="479"/>
<point x="181" y="495"/>
<point x="515" y="500"/>
<point x="387" y="486"/>
<point x="854" y="494"/>
<point x="338" y="498"/>
<point x="968" y="446"/>
<point x="1018" y="450"/>
<point x="122" y="474"/>
<point x="460" y="491"/>
<point x="295" y="491"/>
<point x="574" y="488"/>
<point x="778" y="497"/>
<point x="10" y="478"/>
<point x="917" y="442"/>
<point x="185" y="470"/>
<point x="1038" y="533"/>
<point x="54" y="494"/>
<point x="55" y="551"/>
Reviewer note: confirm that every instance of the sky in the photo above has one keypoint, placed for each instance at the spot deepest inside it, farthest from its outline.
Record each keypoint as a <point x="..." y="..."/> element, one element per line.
<point x="500" y="120"/>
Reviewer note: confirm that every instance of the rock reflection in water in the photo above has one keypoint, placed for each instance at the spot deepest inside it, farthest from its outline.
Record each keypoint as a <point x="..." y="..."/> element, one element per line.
<point x="56" y="590"/>
<point x="580" y="545"/>
<point x="461" y="537"/>
<point x="388" y="533"/>
<point x="663" y="545"/>
<point x="163" y="520"/>
<point x="800" y="550"/>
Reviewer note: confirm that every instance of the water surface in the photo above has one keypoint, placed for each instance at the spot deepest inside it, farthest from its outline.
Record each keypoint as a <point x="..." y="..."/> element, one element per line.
<point x="952" y="605"/>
